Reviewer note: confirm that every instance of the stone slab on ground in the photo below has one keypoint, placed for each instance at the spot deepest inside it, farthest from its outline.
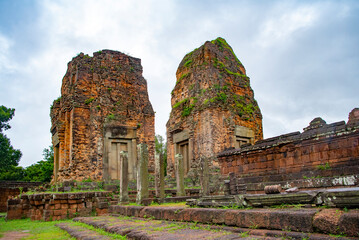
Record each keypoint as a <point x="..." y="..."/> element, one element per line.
<point x="341" y="197"/>
<point x="258" y="200"/>
<point x="215" y="201"/>
<point x="135" y="228"/>
<point x="81" y="233"/>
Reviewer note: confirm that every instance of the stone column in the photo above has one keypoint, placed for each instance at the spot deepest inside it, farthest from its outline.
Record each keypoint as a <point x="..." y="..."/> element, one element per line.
<point x="232" y="183"/>
<point x="179" y="175"/>
<point x="204" y="177"/>
<point x="159" y="176"/>
<point x="142" y="172"/>
<point x="124" y="176"/>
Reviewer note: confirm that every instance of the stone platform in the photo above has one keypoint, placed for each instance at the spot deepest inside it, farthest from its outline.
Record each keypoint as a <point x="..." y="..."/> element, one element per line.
<point x="113" y="227"/>
<point x="314" y="220"/>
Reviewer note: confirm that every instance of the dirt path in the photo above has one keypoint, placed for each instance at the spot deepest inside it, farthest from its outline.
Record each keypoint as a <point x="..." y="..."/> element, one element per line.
<point x="14" y="235"/>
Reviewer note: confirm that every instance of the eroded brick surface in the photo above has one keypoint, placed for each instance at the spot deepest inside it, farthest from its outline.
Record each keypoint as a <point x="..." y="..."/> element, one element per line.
<point x="102" y="97"/>
<point x="212" y="104"/>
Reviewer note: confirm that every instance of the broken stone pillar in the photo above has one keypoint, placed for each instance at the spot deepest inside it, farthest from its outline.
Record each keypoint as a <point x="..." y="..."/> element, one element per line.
<point x="179" y="175"/>
<point x="142" y="172"/>
<point x="226" y="188"/>
<point x="124" y="176"/>
<point x="204" y="176"/>
<point x="159" y="176"/>
<point x="232" y="183"/>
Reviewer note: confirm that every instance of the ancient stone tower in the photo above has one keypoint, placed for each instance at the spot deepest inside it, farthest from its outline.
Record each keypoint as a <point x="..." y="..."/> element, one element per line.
<point x="213" y="106"/>
<point x="103" y="109"/>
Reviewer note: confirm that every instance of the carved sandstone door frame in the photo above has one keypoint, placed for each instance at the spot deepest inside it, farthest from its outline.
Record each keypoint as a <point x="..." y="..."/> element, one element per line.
<point x="117" y="139"/>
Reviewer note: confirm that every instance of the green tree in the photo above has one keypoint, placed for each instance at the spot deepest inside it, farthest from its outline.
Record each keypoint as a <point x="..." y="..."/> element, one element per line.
<point x="14" y="173"/>
<point x="8" y="155"/>
<point x="42" y="170"/>
<point x="161" y="147"/>
<point x="6" y="115"/>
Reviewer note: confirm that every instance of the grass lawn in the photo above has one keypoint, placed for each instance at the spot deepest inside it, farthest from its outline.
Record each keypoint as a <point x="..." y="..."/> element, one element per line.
<point x="36" y="229"/>
<point x="176" y="204"/>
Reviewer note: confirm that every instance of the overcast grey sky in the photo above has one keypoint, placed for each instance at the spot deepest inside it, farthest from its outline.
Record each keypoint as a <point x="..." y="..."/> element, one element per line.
<point x="302" y="56"/>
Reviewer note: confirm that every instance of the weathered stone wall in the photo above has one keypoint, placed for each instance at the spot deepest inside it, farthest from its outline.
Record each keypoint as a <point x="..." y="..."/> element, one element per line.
<point x="51" y="207"/>
<point x="104" y="109"/>
<point x="213" y="106"/>
<point x="321" y="150"/>
<point x="12" y="188"/>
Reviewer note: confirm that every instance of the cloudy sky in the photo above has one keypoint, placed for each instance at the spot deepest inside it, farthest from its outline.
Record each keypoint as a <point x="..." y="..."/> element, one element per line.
<point x="302" y="56"/>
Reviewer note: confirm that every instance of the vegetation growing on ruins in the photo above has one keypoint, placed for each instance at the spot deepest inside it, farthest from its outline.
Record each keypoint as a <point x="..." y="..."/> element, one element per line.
<point x="221" y="43"/>
<point x="218" y="95"/>
<point x="111" y="116"/>
<point x="223" y="97"/>
<point x="176" y="105"/>
<point x="182" y="77"/>
<point x="188" y="63"/>
<point x="325" y="166"/>
<point x="89" y="100"/>
<point x="222" y="66"/>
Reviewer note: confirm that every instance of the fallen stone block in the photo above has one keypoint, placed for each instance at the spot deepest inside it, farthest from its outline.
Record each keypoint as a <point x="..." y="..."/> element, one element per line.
<point x="327" y="221"/>
<point x="258" y="200"/>
<point x="341" y="197"/>
<point x="349" y="223"/>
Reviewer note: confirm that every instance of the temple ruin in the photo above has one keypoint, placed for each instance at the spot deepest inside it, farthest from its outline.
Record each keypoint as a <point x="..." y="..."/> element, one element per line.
<point x="213" y="106"/>
<point x="322" y="156"/>
<point x="103" y="111"/>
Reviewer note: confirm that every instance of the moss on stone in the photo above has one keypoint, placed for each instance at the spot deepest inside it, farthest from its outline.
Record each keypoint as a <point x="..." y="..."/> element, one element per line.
<point x="176" y="105"/>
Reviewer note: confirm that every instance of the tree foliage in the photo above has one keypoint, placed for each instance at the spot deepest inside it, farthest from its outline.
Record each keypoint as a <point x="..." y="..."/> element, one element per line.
<point x="6" y="115"/>
<point x="8" y="155"/>
<point x="161" y="148"/>
<point x="38" y="172"/>
<point x="42" y="170"/>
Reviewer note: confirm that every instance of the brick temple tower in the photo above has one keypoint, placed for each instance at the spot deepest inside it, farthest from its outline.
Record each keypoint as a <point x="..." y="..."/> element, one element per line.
<point x="103" y="109"/>
<point x="213" y="106"/>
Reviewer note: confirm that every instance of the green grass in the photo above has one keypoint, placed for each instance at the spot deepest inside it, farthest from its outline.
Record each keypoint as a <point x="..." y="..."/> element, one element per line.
<point x="72" y="191"/>
<point x="100" y="231"/>
<point x="37" y="229"/>
<point x="176" y="204"/>
<point x="154" y="204"/>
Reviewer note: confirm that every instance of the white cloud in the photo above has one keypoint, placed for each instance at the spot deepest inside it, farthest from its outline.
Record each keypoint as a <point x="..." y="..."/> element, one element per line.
<point x="280" y="27"/>
<point x="5" y="64"/>
<point x="284" y="47"/>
